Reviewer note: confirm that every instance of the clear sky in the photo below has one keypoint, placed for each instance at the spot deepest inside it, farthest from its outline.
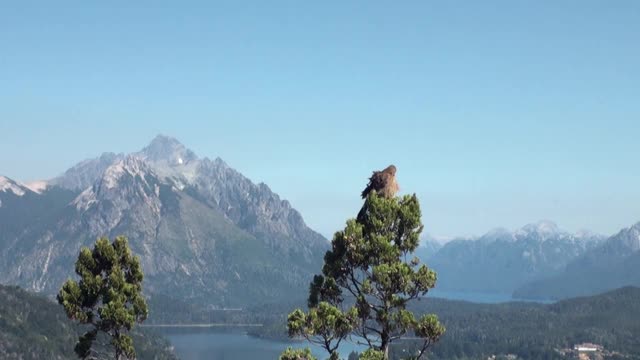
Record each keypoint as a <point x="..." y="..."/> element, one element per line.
<point x="496" y="113"/>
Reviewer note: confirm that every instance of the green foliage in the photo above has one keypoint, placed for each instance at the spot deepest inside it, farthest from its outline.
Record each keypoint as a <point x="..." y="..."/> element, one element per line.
<point x="297" y="354"/>
<point x="33" y="328"/>
<point x="108" y="296"/>
<point x="370" y="262"/>
<point x="371" y="354"/>
<point x="325" y="325"/>
<point x="534" y="331"/>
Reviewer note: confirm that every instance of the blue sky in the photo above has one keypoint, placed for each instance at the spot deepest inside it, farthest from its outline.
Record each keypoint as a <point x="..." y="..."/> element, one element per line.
<point x="496" y="113"/>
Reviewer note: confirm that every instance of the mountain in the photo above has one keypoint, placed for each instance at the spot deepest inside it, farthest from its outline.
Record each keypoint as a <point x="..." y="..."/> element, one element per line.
<point x="23" y="208"/>
<point x="501" y="260"/>
<point x="428" y="246"/>
<point x="613" y="264"/>
<point x="204" y="232"/>
<point x="85" y="173"/>
<point x="32" y="327"/>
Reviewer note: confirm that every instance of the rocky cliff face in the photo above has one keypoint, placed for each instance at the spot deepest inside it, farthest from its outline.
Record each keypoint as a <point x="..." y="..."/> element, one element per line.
<point x="256" y="209"/>
<point x="85" y="173"/>
<point x="203" y="231"/>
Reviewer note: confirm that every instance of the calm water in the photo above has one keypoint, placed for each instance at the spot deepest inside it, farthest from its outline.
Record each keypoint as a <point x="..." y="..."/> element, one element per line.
<point x="236" y="345"/>
<point x="477" y="297"/>
<point x="216" y="345"/>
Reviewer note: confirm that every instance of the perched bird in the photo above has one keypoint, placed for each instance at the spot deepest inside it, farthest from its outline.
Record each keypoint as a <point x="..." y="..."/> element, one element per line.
<point x="382" y="182"/>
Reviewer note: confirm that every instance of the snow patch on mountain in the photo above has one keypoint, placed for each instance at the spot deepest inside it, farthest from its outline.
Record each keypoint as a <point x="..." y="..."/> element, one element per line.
<point x="37" y="186"/>
<point x="544" y="228"/>
<point x="542" y="231"/>
<point x="7" y="185"/>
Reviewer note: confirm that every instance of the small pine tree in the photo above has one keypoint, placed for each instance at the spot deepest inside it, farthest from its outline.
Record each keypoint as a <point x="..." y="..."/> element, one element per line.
<point x="297" y="354"/>
<point x="108" y="296"/>
<point x="369" y="264"/>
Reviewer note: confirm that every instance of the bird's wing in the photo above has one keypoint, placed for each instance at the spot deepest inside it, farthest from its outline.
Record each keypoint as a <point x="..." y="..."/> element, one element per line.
<point x="376" y="182"/>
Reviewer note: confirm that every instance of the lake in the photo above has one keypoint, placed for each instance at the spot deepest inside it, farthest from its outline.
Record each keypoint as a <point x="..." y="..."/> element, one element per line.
<point x="476" y="297"/>
<point x="234" y="344"/>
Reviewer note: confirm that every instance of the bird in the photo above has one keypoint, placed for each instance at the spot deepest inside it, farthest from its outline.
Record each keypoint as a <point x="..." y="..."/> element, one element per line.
<point x="383" y="182"/>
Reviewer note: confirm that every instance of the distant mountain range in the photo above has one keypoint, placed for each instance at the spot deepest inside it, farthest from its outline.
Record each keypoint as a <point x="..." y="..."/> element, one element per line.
<point x="501" y="260"/>
<point x="612" y="264"/>
<point x="204" y="232"/>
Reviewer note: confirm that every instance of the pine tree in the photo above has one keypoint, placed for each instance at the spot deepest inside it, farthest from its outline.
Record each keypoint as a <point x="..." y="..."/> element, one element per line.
<point x="369" y="266"/>
<point x="108" y="296"/>
<point x="296" y="354"/>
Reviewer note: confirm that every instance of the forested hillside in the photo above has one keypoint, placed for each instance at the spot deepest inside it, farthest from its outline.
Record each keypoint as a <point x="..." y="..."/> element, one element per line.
<point x="33" y="327"/>
<point x="528" y="330"/>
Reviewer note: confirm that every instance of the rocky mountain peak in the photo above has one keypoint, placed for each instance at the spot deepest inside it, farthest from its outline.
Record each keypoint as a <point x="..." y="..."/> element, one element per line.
<point x="495" y="234"/>
<point x="129" y="166"/>
<point x="126" y="179"/>
<point x="168" y="150"/>
<point x="636" y="243"/>
<point x="85" y="173"/>
<point x="8" y="185"/>
<point x="543" y="227"/>
<point x="627" y="240"/>
<point x="220" y="163"/>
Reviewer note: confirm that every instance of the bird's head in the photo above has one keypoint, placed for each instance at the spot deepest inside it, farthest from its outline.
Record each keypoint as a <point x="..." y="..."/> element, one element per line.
<point x="391" y="169"/>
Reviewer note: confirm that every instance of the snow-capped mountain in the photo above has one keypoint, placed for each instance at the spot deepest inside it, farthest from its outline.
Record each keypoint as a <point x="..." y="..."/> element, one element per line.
<point x="203" y="231"/>
<point x="10" y="186"/>
<point x="612" y="264"/>
<point x="502" y="260"/>
<point x="252" y="207"/>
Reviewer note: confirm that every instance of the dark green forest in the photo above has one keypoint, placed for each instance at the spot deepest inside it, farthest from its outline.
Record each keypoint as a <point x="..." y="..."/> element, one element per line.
<point x="34" y="327"/>
<point x="528" y="330"/>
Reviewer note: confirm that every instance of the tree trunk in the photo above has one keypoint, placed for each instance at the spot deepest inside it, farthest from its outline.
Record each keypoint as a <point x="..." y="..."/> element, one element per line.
<point x="384" y="344"/>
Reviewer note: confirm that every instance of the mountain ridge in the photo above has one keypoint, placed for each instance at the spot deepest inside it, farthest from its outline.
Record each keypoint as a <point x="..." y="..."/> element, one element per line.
<point x="614" y="263"/>
<point x="198" y="220"/>
<point x="501" y="260"/>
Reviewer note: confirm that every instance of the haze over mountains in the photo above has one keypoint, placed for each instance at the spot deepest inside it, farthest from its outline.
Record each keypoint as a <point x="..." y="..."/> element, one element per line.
<point x="206" y="234"/>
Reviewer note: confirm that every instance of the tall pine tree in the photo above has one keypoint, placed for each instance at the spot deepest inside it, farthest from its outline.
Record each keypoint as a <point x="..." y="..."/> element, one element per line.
<point x="108" y="296"/>
<point x="370" y="266"/>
